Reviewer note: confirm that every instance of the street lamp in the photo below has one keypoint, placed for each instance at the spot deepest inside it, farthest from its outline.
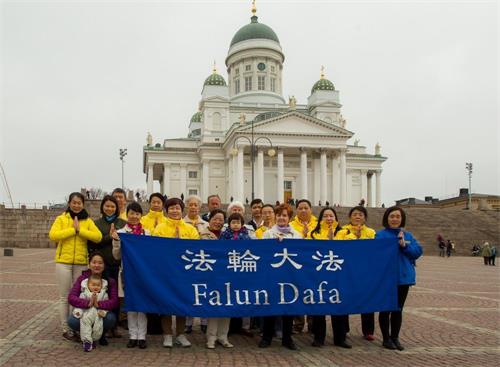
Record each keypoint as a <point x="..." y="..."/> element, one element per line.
<point x="468" y="167"/>
<point x="123" y="153"/>
<point x="253" y="143"/>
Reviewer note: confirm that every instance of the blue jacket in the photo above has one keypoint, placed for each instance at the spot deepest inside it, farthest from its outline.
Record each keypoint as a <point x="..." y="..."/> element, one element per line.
<point x="228" y="234"/>
<point x="407" y="255"/>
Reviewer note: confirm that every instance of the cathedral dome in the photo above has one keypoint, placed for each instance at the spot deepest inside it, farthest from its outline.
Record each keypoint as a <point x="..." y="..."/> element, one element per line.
<point x="254" y="30"/>
<point x="196" y="117"/>
<point x="215" y="79"/>
<point x="323" y="84"/>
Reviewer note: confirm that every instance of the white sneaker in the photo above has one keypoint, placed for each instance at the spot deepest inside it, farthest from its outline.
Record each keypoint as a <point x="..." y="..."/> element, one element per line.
<point x="182" y="341"/>
<point x="167" y="341"/>
<point x="211" y="344"/>
<point x="225" y="343"/>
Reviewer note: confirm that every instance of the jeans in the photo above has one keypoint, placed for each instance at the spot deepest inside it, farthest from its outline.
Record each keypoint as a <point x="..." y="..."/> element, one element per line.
<point x="108" y="322"/>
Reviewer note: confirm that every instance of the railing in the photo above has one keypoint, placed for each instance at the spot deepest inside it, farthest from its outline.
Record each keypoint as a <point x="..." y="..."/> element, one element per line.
<point x="34" y="205"/>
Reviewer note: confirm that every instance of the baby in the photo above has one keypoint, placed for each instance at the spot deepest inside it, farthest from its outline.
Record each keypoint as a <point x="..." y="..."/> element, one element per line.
<point x="236" y="229"/>
<point x="93" y="289"/>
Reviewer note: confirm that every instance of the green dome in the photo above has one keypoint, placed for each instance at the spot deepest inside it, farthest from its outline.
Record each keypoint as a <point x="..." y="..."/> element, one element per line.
<point x="254" y="30"/>
<point x="215" y="79"/>
<point x="196" y="117"/>
<point x="323" y="84"/>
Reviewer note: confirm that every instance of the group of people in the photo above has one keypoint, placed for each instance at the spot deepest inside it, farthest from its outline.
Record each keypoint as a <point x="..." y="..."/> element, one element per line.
<point x="445" y="247"/>
<point x="489" y="253"/>
<point x="91" y="282"/>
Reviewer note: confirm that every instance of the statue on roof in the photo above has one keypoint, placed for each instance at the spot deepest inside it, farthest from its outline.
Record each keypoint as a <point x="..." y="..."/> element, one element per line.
<point x="377" y="149"/>
<point x="149" y="139"/>
<point x="356" y="142"/>
<point x="292" y="102"/>
<point x="242" y="118"/>
<point x="342" y="122"/>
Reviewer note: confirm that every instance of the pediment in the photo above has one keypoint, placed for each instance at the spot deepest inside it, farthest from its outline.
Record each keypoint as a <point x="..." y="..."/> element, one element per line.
<point x="296" y="123"/>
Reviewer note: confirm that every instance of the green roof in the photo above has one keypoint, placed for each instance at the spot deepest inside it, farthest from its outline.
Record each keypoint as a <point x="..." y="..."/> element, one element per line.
<point x="196" y="117"/>
<point x="215" y="79"/>
<point x="323" y="84"/>
<point x="254" y="30"/>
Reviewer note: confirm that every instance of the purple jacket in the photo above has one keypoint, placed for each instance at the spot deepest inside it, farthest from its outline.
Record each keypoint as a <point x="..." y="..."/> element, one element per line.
<point x="108" y="305"/>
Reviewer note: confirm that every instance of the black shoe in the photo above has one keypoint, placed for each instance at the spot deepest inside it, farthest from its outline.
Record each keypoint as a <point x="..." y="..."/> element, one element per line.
<point x="290" y="345"/>
<point x="246" y="332"/>
<point x="264" y="343"/>
<point x="388" y="344"/>
<point x="397" y="344"/>
<point x="103" y="341"/>
<point x="188" y="329"/>
<point x="317" y="343"/>
<point x="132" y="343"/>
<point x="344" y="345"/>
<point x="142" y="344"/>
<point x="203" y="329"/>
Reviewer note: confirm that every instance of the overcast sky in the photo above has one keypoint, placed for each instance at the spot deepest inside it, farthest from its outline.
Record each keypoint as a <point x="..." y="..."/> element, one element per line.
<point x="81" y="79"/>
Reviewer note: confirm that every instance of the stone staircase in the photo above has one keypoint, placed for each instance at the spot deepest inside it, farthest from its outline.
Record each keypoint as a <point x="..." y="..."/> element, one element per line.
<point x="29" y="227"/>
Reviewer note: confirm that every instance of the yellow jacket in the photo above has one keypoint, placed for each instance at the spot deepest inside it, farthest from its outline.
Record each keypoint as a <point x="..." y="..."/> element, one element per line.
<point x="323" y="232"/>
<point x="167" y="229"/>
<point x="299" y="227"/>
<point x="259" y="232"/>
<point x="123" y="215"/>
<point x="72" y="247"/>
<point x="148" y="221"/>
<point x="347" y="233"/>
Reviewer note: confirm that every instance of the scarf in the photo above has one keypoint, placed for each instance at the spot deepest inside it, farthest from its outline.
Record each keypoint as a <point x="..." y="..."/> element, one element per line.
<point x="286" y="230"/>
<point x="136" y="228"/>
<point x="215" y="232"/>
<point x="110" y="218"/>
<point x="80" y="215"/>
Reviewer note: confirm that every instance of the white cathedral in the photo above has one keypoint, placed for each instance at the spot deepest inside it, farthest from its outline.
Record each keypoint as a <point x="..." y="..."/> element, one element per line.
<point x="247" y="141"/>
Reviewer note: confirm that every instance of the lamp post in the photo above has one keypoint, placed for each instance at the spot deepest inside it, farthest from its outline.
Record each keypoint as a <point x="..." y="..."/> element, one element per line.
<point x="123" y="153"/>
<point x="253" y="143"/>
<point x="468" y="167"/>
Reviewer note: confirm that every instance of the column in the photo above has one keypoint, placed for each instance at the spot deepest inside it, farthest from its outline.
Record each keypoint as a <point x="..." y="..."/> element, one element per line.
<point x="378" y="188"/>
<point x="240" y="177"/>
<point x="316" y="181"/>
<point x="166" y="179"/>
<point x="303" y="173"/>
<point x="343" y="178"/>
<point x="322" y="173"/>
<point x="281" y="173"/>
<point x="369" y="196"/>
<point x="364" y="184"/>
<point x="205" y="179"/>
<point x="234" y="192"/>
<point x="150" y="179"/>
<point x="335" y="179"/>
<point x="183" y="180"/>
<point x="260" y="174"/>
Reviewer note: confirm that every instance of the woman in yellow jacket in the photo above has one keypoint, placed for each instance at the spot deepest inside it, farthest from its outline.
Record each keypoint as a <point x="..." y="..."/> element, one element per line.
<point x="155" y="215"/>
<point x="326" y="229"/>
<point x="71" y="230"/>
<point x="357" y="230"/>
<point x="175" y="227"/>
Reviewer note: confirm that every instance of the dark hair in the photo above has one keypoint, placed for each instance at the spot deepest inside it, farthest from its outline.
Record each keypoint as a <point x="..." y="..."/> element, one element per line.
<point x="385" y="219"/>
<point x="113" y="200"/>
<point x="157" y="195"/>
<point x="359" y="208"/>
<point x="303" y="201"/>
<point x="284" y="207"/>
<point x="215" y="212"/>
<point x="78" y="195"/>
<point x="94" y="277"/>
<point x="320" y="218"/>
<point x="236" y="216"/>
<point x="174" y="201"/>
<point x="268" y="206"/>
<point x="213" y="196"/>
<point x="134" y="206"/>
<point x="119" y="190"/>
<point x="256" y="201"/>
<point x="94" y="254"/>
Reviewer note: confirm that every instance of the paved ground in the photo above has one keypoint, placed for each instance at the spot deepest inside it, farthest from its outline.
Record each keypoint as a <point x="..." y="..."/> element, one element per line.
<point x="451" y="319"/>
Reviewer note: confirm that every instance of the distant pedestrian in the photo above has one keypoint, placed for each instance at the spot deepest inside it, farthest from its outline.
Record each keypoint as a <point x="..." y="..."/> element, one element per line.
<point x="486" y="253"/>
<point x="493" y="255"/>
<point x="441" y="245"/>
<point x="449" y="247"/>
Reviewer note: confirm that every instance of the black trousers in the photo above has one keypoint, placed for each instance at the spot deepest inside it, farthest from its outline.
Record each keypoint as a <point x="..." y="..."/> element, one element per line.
<point x="368" y="323"/>
<point x="269" y="322"/>
<point x="393" y="319"/>
<point x="111" y="271"/>
<point x="339" y="327"/>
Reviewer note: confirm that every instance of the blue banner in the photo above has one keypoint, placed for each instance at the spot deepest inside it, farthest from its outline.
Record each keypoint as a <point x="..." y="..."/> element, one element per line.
<point x="210" y="278"/>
